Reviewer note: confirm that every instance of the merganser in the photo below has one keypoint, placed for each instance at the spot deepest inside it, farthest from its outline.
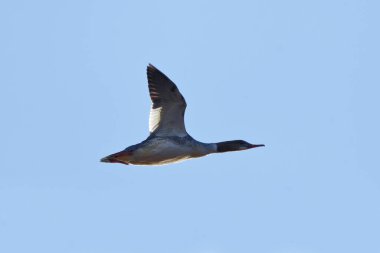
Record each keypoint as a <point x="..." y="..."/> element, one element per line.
<point x="168" y="141"/>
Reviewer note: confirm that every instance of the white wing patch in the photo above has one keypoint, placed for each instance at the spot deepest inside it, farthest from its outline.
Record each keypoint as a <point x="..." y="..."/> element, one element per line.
<point x="154" y="119"/>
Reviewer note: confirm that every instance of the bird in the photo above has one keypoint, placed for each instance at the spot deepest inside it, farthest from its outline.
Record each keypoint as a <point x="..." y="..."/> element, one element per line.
<point x="169" y="141"/>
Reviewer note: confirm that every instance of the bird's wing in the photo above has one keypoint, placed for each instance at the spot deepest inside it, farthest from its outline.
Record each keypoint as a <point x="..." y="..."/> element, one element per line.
<point x="168" y="105"/>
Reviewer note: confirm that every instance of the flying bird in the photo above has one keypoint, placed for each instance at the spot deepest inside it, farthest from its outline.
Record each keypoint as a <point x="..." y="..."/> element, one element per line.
<point x="169" y="141"/>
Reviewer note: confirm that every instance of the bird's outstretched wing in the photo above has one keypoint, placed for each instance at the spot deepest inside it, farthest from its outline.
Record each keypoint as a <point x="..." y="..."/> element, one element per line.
<point x="168" y="109"/>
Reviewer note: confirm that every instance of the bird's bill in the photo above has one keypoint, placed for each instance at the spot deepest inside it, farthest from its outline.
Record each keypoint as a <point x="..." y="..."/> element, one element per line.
<point x="256" y="145"/>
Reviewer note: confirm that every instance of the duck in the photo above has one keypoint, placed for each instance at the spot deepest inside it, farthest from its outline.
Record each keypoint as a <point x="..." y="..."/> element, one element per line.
<point x="168" y="141"/>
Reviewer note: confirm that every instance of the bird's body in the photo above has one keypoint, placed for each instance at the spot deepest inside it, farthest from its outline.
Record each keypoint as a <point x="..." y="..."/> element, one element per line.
<point x="168" y="141"/>
<point x="164" y="150"/>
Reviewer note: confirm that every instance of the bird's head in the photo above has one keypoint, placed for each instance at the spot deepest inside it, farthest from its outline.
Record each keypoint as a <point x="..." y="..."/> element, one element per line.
<point x="236" y="145"/>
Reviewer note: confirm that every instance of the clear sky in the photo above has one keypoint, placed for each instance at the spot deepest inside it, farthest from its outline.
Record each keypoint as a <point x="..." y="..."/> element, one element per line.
<point x="301" y="77"/>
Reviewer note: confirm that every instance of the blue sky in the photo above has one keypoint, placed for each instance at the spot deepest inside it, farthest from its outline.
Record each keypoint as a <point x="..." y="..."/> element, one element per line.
<point x="300" y="76"/>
